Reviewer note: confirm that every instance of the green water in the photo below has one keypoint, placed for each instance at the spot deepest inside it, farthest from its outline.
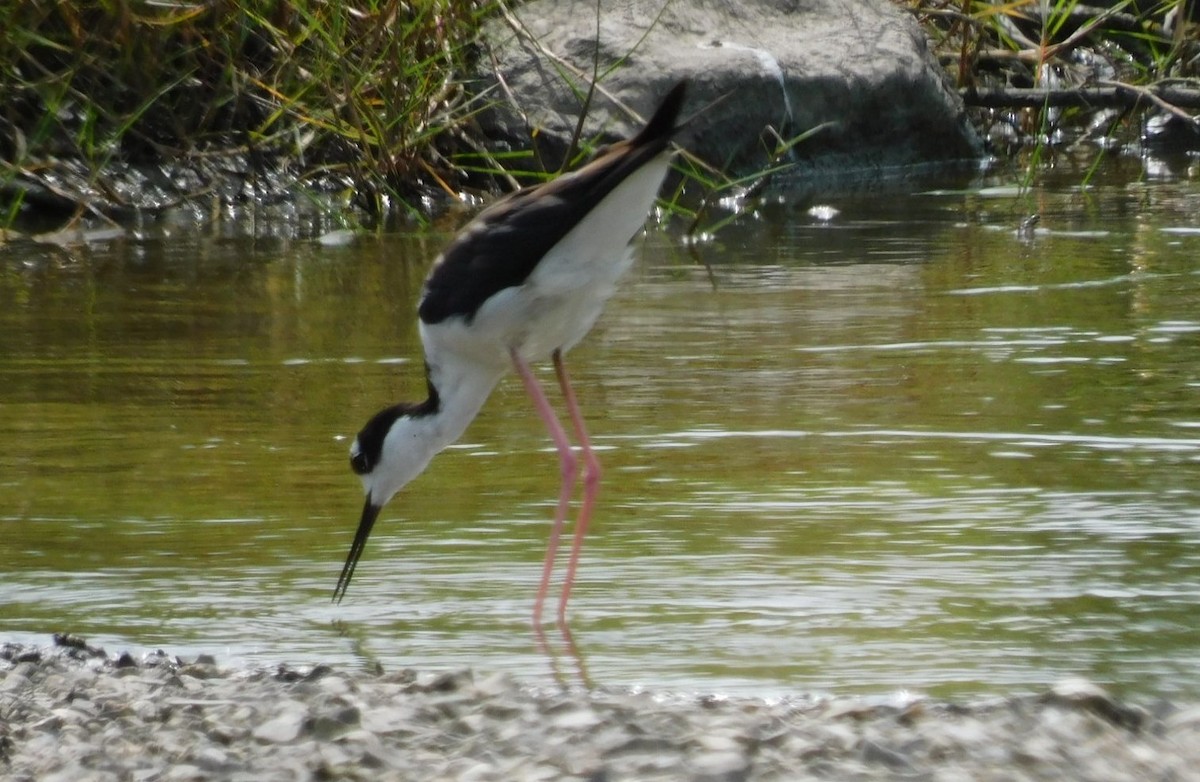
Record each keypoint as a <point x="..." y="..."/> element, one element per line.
<point x="902" y="449"/>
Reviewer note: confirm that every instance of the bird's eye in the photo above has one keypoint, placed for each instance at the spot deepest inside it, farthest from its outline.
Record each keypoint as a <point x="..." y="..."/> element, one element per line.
<point x="360" y="463"/>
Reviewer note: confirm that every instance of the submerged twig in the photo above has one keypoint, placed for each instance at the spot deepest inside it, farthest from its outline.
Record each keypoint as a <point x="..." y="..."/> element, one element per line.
<point x="1110" y="95"/>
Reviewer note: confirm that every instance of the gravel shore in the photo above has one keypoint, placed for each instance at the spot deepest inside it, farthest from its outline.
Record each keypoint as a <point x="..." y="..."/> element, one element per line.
<point x="73" y="712"/>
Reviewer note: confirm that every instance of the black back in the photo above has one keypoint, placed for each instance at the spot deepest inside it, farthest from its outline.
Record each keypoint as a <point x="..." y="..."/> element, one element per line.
<point x="503" y="245"/>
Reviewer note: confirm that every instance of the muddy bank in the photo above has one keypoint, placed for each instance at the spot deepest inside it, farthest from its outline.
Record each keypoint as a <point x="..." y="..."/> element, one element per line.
<point x="71" y="712"/>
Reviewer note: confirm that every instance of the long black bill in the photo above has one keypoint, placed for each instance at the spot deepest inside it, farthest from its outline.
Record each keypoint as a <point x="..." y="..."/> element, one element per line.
<point x="369" y="514"/>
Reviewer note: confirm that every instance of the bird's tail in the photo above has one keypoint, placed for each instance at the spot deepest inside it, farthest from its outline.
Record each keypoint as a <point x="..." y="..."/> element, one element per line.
<point x="662" y="125"/>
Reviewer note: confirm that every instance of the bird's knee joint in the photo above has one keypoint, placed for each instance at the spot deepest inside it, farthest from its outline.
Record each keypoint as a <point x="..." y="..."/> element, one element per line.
<point x="591" y="474"/>
<point x="569" y="466"/>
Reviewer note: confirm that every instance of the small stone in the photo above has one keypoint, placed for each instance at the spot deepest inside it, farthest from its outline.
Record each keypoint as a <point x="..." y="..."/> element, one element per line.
<point x="1037" y="750"/>
<point x="1184" y="718"/>
<point x="333" y="756"/>
<point x="838" y="737"/>
<point x="576" y="719"/>
<point x="318" y="672"/>
<point x="225" y="734"/>
<point x="184" y="772"/>
<point x="147" y="774"/>
<point x="28" y="656"/>
<point x="69" y="641"/>
<point x="285" y="673"/>
<point x="388" y="719"/>
<point x="874" y="752"/>
<point x="721" y="766"/>
<point x="449" y="681"/>
<point x="212" y="759"/>
<point x="473" y="723"/>
<point x="285" y="727"/>
<point x="1081" y="693"/>
<point x="70" y="716"/>
<point x="719" y="742"/>
<point x="50" y="724"/>
<point x="851" y="709"/>
<point x="146" y="711"/>
<point x="405" y="676"/>
<point x="155" y="659"/>
<point x="1076" y="690"/>
<point x="333" y="685"/>
<point x="330" y="726"/>
<point x="199" y="670"/>
<point x="189" y="682"/>
<point x="479" y="772"/>
<point x="495" y="685"/>
<point x="15" y="680"/>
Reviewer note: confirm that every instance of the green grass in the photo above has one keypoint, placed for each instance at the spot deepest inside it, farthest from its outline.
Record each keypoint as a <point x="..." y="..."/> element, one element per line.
<point x="309" y="95"/>
<point x="971" y="38"/>
<point x="368" y="97"/>
<point x="1035" y="43"/>
<point x="366" y="92"/>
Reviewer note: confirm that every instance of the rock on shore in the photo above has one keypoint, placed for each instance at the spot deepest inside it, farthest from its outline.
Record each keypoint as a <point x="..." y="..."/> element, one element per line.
<point x="861" y="73"/>
<point x="72" y="712"/>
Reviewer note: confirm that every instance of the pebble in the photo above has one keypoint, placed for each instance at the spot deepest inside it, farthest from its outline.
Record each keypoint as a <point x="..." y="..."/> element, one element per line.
<point x="72" y="712"/>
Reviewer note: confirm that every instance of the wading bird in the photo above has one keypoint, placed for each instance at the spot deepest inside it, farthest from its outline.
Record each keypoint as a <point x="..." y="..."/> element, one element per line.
<point x="522" y="282"/>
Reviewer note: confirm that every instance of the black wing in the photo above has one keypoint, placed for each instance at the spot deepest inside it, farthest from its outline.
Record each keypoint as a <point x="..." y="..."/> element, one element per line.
<point x="503" y="245"/>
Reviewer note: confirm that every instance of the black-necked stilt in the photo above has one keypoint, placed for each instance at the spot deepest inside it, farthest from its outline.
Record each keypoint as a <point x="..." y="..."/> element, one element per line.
<point x="523" y="281"/>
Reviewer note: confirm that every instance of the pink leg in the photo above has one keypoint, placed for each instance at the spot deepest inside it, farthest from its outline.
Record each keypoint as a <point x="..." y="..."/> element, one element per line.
<point x="591" y="483"/>
<point x="569" y="467"/>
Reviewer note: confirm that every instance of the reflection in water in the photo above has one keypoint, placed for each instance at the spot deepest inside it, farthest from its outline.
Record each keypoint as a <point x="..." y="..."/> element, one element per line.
<point x="554" y="650"/>
<point x="901" y="448"/>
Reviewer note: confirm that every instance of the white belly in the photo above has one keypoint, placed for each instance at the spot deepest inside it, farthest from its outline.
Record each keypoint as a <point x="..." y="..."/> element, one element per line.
<point x="533" y="321"/>
<point x="562" y="299"/>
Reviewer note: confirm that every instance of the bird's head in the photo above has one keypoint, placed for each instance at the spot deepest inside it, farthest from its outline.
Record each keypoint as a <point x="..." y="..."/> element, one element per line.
<point x="393" y="448"/>
<point x="389" y="451"/>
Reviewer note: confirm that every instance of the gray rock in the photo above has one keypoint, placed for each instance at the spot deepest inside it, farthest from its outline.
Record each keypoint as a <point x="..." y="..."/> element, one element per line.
<point x="862" y="66"/>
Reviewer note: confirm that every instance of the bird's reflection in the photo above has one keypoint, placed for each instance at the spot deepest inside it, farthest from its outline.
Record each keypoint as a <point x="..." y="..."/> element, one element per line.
<point x="562" y="646"/>
<point x="358" y="646"/>
<point x="568" y="666"/>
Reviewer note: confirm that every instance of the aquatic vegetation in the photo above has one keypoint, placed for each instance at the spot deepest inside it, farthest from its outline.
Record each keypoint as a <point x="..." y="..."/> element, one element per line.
<point x="1042" y="75"/>
<point x="119" y="106"/>
<point x="229" y="98"/>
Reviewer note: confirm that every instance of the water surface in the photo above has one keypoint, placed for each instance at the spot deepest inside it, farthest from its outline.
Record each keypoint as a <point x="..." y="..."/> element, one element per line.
<point x="903" y="448"/>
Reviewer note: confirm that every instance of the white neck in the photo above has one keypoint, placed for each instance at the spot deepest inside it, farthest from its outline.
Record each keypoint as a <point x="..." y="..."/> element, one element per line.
<point x="462" y="388"/>
<point x="414" y="439"/>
